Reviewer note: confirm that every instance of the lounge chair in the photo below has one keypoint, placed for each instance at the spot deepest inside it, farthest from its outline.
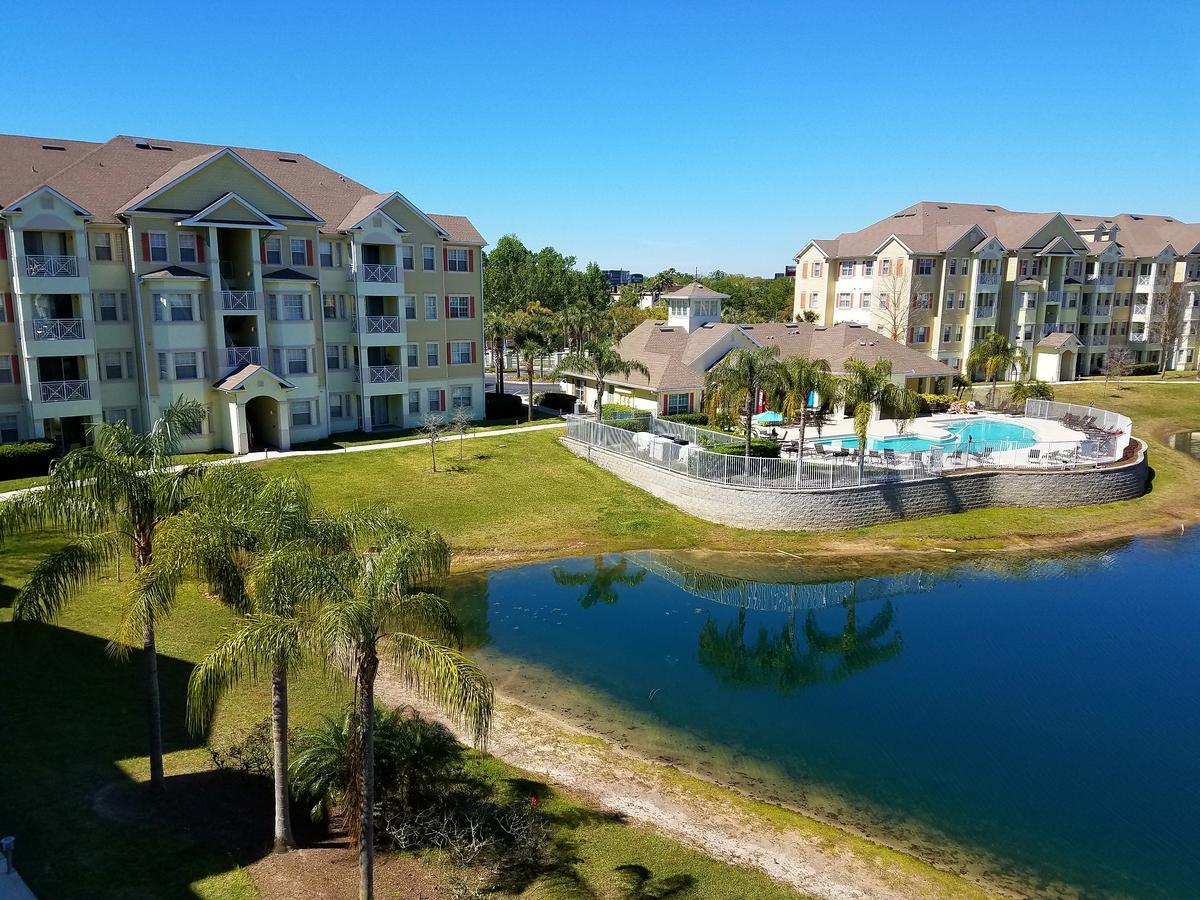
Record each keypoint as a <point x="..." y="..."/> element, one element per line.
<point x="1035" y="456"/>
<point x="984" y="456"/>
<point x="956" y="458"/>
<point x="889" y="457"/>
<point x="874" y="456"/>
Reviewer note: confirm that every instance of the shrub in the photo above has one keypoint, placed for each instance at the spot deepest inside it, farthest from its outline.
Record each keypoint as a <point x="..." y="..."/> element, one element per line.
<point x="759" y="447"/>
<point x="629" y="424"/>
<point x="933" y="403"/>
<point x="252" y="755"/>
<point x="26" y="458"/>
<point x="698" y="419"/>
<point x="502" y="406"/>
<point x="619" y="411"/>
<point x="1143" y="369"/>
<point x="556" y="400"/>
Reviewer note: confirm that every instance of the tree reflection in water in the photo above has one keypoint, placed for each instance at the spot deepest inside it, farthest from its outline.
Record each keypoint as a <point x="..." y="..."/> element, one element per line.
<point x="601" y="583"/>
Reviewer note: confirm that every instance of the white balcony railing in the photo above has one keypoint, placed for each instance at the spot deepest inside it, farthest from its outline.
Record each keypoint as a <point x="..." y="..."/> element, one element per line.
<point x="380" y="374"/>
<point x="42" y="266"/>
<point x="1141" y="309"/>
<point x="1054" y="296"/>
<point x="985" y="312"/>
<point x="378" y="325"/>
<point x="236" y="357"/>
<point x="378" y="274"/>
<point x="1139" y="337"/>
<point x="988" y="278"/>
<point x="239" y="301"/>
<point x="62" y="391"/>
<point x="1143" y="280"/>
<point x="1098" y="340"/>
<point x="56" y="330"/>
<point x="1053" y="328"/>
<point x="1101" y="280"/>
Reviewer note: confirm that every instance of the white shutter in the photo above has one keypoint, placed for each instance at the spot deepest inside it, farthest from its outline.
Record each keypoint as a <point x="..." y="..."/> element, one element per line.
<point x="203" y="373"/>
<point x="157" y="300"/>
<point x="164" y="370"/>
<point x="345" y="356"/>
<point x="199" y="306"/>
<point x="272" y="307"/>
<point x="129" y="370"/>
<point x="123" y="305"/>
<point x="277" y="361"/>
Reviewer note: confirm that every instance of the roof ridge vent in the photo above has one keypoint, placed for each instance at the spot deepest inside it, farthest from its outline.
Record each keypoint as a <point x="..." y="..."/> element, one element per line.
<point x="53" y="147"/>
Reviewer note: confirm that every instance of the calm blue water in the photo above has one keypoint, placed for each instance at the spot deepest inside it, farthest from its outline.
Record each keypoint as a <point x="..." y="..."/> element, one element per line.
<point x="978" y="432"/>
<point x="1050" y="716"/>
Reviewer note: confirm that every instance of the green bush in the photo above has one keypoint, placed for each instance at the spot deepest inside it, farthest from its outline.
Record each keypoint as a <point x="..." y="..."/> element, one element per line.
<point x="619" y="411"/>
<point x="759" y="447"/>
<point x="933" y="403"/>
<point x="26" y="458"/>
<point x="1144" y="369"/>
<point x="555" y="400"/>
<point x="629" y="424"/>
<point x="502" y="406"/>
<point x="698" y="419"/>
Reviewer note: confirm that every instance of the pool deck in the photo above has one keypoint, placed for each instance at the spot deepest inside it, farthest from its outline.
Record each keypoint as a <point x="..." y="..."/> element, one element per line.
<point x="1049" y="431"/>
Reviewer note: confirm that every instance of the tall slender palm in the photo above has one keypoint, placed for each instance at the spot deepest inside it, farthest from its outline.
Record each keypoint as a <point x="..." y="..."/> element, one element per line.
<point x="111" y="496"/>
<point x="800" y="379"/>
<point x="378" y="604"/>
<point x="866" y="387"/>
<point x="251" y="538"/>
<point x="995" y="356"/>
<point x="733" y="384"/>
<point x="600" y="361"/>
<point x="531" y="333"/>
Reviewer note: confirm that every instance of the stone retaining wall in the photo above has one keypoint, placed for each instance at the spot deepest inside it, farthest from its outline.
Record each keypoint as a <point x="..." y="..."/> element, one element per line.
<point x="874" y="504"/>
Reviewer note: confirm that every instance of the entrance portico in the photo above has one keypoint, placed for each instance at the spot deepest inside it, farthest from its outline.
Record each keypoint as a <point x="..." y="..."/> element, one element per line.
<point x="257" y="410"/>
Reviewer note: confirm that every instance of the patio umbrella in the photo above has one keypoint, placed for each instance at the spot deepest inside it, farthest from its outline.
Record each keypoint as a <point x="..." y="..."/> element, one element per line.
<point x="769" y="417"/>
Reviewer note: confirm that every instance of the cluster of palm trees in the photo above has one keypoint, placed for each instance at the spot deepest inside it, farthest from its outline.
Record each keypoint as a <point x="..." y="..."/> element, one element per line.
<point x="351" y="591"/>
<point x="797" y="385"/>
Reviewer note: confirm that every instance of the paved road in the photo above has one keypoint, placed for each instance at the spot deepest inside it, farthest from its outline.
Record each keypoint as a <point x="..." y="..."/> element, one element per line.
<point x="514" y="384"/>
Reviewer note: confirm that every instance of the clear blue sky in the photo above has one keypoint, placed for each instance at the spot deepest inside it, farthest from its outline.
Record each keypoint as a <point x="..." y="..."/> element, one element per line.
<point x="641" y="135"/>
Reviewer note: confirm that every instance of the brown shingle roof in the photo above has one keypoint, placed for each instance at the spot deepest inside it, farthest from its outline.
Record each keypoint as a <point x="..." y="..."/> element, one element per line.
<point x="459" y="229"/>
<point x="106" y="178"/>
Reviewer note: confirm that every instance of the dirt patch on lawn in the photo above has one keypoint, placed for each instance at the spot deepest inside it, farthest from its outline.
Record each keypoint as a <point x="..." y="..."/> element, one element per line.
<point x="330" y="872"/>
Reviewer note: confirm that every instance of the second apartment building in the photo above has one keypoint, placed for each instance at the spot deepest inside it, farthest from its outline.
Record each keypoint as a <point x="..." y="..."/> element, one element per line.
<point x="1067" y="288"/>
<point x="291" y="301"/>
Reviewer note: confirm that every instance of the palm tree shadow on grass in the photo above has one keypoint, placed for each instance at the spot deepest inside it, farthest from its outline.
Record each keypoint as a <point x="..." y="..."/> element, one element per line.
<point x="84" y="826"/>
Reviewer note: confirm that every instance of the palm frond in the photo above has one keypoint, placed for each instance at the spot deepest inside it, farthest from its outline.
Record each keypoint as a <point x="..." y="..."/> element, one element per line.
<point x="180" y="418"/>
<point x="447" y="678"/>
<point x="427" y="615"/>
<point x="150" y="598"/>
<point x="60" y="575"/>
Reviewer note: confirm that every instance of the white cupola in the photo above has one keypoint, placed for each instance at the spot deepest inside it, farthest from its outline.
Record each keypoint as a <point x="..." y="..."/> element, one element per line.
<point x="693" y="306"/>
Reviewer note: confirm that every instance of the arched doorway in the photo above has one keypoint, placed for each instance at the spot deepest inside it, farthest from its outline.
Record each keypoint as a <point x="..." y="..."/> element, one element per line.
<point x="262" y="423"/>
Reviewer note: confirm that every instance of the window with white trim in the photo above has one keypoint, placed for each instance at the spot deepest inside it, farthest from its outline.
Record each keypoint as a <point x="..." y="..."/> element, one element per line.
<point x="431" y="307"/>
<point x="273" y="251"/>
<point x="435" y="400"/>
<point x="413" y="353"/>
<point x="325" y="252"/>
<point x="885" y="267"/>
<point x="460" y="307"/>
<point x="187" y="365"/>
<point x="458" y="259"/>
<point x="844" y="301"/>
<point x="677" y="404"/>
<point x="337" y="406"/>
<point x="460" y="353"/>
<point x="110" y="366"/>
<point x="431" y="354"/>
<point x="952" y="268"/>
<point x="297" y="361"/>
<point x="847" y="268"/>
<point x="865" y="300"/>
<point x="187" y="247"/>
<point x="158" y="246"/>
<point x="332" y="306"/>
<point x="102" y="250"/>
<point x="8" y="429"/>
<point x="292" y="308"/>
<point x="414" y="402"/>
<point x="6" y="369"/>
<point x="460" y="397"/>
<point x="302" y="413"/>
<point x="106" y="304"/>
<point x="925" y="265"/>
<point x="174" y="308"/>
<point x="336" y="355"/>
<point x="407" y="260"/>
<point x="428" y="255"/>
<point x="299" y="251"/>
<point x="868" y="267"/>
<point x="947" y="330"/>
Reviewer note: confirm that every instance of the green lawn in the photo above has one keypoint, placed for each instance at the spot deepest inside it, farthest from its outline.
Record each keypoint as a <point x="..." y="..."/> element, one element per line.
<point x="363" y="438"/>
<point x="71" y="722"/>
<point x="16" y="484"/>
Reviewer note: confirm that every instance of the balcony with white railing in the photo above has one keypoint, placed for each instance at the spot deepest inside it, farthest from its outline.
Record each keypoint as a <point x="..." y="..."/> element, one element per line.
<point x="378" y="325"/>
<point x="1141" y="309"/>
<point x="1053" y="328"/>
<point x="44" y="266"/>
<point x="1098" y="340"/>
<point x="377" y="273"/>
<point x="1054" y="296"/>
<point x="65" y="391"/>
<point x="379" y="374"/>
<point x="1143" y="281"/>
<point x="236" y="357"/>
<point x="57" y="330"/>
<point x="1101" y="280"/>
<point x="985" y="312"/>
<point x="1139" y="337"/>
<point x="988" y="280"/>
<point x="239" y="301"/>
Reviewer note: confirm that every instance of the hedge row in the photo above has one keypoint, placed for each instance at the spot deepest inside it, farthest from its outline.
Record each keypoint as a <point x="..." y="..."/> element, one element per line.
<point x="698" y="419"/>
<point x="555" y="400"/>
<point x="629" y="424"/>
<point x="502" y="406"/>
<point x="759" y="447"/>
<point x="933" y="403"/>
<point x="26" y="458"/>
<point x="1144" y="369"/>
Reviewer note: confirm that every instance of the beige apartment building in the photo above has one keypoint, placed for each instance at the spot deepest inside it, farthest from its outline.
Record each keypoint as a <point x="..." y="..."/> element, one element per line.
<point x="1067" y="288"/>
<point x="290" y="300"/>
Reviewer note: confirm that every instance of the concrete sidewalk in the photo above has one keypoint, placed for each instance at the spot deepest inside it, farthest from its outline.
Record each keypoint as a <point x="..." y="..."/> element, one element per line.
<point x="12" y="887"/>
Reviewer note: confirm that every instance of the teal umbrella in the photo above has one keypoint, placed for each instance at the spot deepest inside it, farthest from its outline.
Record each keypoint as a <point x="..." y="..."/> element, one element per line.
<point x="769" y="417"/>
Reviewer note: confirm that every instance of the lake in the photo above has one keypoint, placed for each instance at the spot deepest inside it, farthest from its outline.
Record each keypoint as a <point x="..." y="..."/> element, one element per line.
<point x="1037" y="724"/>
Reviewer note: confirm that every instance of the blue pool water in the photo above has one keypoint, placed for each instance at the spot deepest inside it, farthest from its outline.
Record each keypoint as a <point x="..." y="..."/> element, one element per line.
<point x="1047" y="715"/>
<point x="978" y="433"/>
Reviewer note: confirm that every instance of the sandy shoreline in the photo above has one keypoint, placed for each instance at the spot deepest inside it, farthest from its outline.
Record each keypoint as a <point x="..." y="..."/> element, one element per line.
<point x="816" y="858"/>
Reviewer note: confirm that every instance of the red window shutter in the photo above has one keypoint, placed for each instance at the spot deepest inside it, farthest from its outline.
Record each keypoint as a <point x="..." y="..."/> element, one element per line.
<point x="472" y="351"/>
<point x="472" y="307"/>
<point x="692" y="402"/>
<point x="199" y="248"/>
<point x="145" y="247"/>
<point x="442" y="402"/>
<point x="3" y="244"/>
<point x="446" y="259"/>
<point x="447" y="306"/>
<point x="804" y="270"/>
<point x="470" y="260"/>
<point x="262" y="253"/>
<point x="9" y="315"/>
<point x="16" y="367"/>
<point x="447" y="353"/>
<point x="900" y="265"/>
<point x="308" y="253"/>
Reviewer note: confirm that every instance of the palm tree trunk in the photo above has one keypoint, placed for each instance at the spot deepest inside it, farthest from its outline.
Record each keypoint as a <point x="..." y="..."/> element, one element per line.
<point x="153" y="718"/>
<point x="803" y="422"/>
<point x="368" y="666"/>
<point x="992" y="399"/>
<point x="284" y="840"/>
<point x="529" y="364"/>
<point x="751" y="397"/>
<point x="599" y="399"/>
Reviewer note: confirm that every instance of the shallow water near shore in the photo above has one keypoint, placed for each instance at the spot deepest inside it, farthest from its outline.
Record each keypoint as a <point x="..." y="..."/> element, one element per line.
<point x="1035" y="725"/>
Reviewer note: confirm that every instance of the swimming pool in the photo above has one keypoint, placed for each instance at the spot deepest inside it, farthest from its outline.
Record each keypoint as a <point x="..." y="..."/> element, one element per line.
<point x="981" y="433"/>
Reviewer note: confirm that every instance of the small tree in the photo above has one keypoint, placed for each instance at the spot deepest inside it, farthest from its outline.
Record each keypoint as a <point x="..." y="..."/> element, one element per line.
<point x="433" y="428"/>
<point x="866" y="387"/>
<point x="961" y="383"/>
<point x="461" y="425"/>
<point x="895" y="303"/>
<point x="809" y="315"/>
<point x="532" y="335"/>
<point x="1030" y="389"/>
<point x="995" y="356"/>
<point x="800" y="379"/>
<point x="600" y="362"/>
<point x="732" y="386"/>
<point x="1117" y="362"/>
<point x="1167" y="324"/>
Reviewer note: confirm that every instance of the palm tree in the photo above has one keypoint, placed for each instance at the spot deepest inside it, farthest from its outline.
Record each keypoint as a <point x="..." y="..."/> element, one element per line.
<point x="600" y="362"/>
<point x="809" y="315"/>
<point x="732" y="385"/>
<point x="250" y="537"/>
<point x="601" y="583"/>
<point x="377" y="603"/>
<point x="111" y="496"/>
<point x="960" y="383"/>
<point x="531" y="330"/>
<point x="799" y="379"/>
<point x="995" y="355"/>
<point x="1030" y="389"/>
<point x="867" y="387"/>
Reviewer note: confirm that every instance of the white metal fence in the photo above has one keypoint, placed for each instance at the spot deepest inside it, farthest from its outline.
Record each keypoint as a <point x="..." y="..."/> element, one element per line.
<point x="685" y="449"/>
